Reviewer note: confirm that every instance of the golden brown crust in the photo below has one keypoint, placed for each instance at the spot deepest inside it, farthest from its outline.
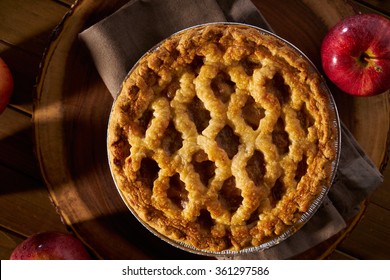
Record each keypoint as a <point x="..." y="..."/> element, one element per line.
<point x="222" y="137"/>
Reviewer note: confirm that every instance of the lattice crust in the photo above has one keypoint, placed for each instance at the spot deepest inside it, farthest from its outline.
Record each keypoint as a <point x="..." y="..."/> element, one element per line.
<point x="221" y="138"/>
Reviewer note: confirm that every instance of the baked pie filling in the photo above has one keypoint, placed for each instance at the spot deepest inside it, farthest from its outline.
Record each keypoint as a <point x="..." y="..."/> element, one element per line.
<point x="222" y="137"/>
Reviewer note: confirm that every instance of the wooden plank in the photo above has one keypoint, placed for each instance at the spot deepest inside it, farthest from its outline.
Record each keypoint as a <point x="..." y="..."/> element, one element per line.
<point x="25" y="206"/>
<point x="8" y="242"/>
<point x="370" y="239"/>
<point x="24" y="67"/>
<point x="378" y="5"/>
<point x="339" y="255"/>
<point x="381" y="196"/>
<point x="67" y="3"/>
<point x="16" y="147"/>
<point x="29" y="23"/>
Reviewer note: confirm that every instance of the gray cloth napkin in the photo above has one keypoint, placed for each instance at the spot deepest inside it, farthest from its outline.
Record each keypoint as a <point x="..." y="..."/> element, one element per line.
<point x="118" y="41"/>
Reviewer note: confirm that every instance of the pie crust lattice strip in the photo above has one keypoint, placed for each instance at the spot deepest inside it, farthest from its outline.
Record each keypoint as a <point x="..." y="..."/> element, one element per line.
<point x="222" y="137"/>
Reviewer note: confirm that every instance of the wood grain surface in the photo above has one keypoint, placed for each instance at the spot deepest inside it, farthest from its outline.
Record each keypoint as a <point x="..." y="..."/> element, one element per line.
<point x="70" y="114"/>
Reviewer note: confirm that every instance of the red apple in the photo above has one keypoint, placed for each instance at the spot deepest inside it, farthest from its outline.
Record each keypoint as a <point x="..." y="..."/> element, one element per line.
<point x="355" y="54"/>
<point x="50" y="246"/>
<point x="6" y="85"/>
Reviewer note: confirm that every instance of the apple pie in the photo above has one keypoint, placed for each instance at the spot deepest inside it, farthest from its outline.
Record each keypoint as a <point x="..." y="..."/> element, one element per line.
<point x="222" y="137"/>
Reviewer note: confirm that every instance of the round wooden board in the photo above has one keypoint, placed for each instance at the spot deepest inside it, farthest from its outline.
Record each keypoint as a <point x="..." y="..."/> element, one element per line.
<point x="71" y="109"/>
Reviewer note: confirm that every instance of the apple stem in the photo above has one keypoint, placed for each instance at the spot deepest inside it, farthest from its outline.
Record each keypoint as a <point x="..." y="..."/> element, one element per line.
<point x="364" y="58"/>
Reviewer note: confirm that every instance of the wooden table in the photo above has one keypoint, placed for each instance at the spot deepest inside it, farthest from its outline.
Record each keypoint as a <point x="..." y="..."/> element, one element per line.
<point x="26" y="207"/>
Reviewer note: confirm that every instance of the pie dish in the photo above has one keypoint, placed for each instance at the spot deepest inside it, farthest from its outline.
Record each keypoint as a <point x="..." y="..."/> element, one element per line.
<point x="224" y="138"/>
